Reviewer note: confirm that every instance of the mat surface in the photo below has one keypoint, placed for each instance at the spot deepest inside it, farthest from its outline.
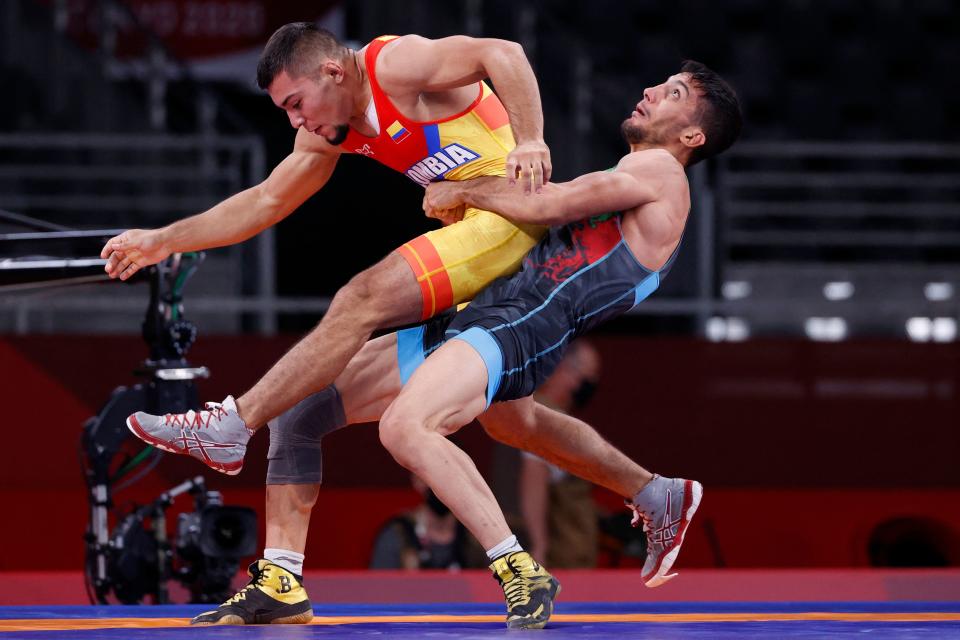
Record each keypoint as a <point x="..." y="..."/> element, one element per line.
<point x="460" y="621"/>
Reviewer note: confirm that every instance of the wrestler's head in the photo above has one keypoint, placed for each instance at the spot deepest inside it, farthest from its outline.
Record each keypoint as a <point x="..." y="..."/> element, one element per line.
<point x="303" y="69"/>
<point x="694" y="110"/>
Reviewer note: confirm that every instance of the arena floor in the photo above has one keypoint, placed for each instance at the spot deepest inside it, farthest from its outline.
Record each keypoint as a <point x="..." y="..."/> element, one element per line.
<point x="572" y="620"/>
<point x="701" y="603"/>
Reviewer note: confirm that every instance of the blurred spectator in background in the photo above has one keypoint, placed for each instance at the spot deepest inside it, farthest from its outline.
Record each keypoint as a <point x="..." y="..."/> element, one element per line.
<point x="913" y="541"/>
<point x="427" y="537"/>
<point x="557" y="508"/>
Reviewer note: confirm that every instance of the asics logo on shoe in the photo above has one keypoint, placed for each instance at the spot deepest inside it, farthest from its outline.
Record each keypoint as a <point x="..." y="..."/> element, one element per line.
<point x="193" y="442"/>
<point x="190" y="442"/>
<point x="665" y="533"/>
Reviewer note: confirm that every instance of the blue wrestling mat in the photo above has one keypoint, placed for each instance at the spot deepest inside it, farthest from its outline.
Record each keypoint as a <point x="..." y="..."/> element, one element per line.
<point x="660" y="620"/>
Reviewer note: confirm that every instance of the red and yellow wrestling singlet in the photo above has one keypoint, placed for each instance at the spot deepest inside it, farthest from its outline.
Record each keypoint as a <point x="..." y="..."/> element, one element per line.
<point x="453" y="263"/>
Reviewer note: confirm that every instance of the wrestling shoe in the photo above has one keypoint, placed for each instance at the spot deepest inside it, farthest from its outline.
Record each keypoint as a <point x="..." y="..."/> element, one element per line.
<point x="528" y="588"/>
<point x="665" y="507"/>
<point x="216" y="436"/>
<point x="273" y="596"/>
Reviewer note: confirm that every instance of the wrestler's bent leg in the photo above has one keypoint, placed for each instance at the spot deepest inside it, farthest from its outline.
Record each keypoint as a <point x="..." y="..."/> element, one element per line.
<point x="423" y="277"/>
<point x="664" y="506"/>
<point x="566" y="442"/>
<point x="294" y="472"/>
<point x="384" y="295"/>
<point x="444" y="393"/>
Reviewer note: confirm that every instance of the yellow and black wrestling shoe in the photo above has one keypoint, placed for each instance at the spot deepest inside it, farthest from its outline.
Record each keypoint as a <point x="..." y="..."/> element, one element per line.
<point x="528" y="588"/>
<point x="273" y="596"/>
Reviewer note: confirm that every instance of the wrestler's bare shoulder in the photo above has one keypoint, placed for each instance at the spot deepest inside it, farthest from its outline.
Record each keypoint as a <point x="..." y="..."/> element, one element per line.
<point x="658" y="162"/>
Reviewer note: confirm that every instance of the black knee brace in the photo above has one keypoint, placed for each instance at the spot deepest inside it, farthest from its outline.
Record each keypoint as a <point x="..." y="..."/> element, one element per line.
<point x="294" y="456"/>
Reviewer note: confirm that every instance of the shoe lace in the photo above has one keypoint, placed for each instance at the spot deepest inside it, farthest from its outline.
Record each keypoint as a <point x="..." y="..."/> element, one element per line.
<point x="655" y="535"/>
<point x="259" y="575"/>
<point x="639" y="517"/>
<point x="517" y="589"/>
<point x="213" y="413"/>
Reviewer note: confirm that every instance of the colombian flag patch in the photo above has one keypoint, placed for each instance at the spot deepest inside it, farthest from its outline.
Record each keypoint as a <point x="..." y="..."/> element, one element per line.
<point x="397" y="132"/>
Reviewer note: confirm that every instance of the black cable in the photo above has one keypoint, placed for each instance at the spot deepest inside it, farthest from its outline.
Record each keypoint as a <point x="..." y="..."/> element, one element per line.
<point x="88" y="556"/>
<point x="150" y="466"/>
<point x="131" y="462"/>
<point x="88" y="578"/>
<point x="31" y="222"/>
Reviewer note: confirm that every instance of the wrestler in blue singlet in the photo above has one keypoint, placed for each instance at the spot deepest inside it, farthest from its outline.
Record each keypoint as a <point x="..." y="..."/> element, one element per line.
<point x="577" y="277"/>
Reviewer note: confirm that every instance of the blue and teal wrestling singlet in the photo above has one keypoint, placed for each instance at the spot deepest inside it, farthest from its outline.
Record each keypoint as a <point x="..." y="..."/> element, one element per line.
<point x="577" y="277"/>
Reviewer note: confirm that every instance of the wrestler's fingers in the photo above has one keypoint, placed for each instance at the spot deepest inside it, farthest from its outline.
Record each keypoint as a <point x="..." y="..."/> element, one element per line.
<point x="537" y="177"/>
<point x="112" y="261"/>
<point x="108" y="247"/>
<point x="512" y="169"/>
<point x="129" y="271"/>
<point x="122" y="243"/>
<point x="528" y="176"/>
<point x="125" y="261"/>
<point x="432" y="212"/>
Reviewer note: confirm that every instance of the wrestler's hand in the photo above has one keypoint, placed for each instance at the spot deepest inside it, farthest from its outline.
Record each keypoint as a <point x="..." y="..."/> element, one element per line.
<point x="442" y="201"/>
<point x="447" y="216"/>
<point x="531" y="162"/>
<point x="132" y="250"/>
<point x="443" y="195"/>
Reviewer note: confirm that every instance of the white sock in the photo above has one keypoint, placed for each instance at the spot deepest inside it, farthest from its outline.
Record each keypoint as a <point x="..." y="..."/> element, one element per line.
<point x="289" y="560"/>
<point x="508" y="545"/>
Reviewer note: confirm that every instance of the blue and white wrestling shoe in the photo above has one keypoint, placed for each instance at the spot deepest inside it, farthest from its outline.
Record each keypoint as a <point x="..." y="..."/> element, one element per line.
<point x="216" y="436"/>
<point x="665" y="507"/>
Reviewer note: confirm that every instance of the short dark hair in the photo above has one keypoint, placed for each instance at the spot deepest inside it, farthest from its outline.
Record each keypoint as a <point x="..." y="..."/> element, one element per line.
<point x="294" y="48"/>
<point x="720" y="115"/>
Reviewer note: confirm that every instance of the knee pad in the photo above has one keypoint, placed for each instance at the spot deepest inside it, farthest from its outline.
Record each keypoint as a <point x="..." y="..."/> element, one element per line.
<point x="294" y="456"/>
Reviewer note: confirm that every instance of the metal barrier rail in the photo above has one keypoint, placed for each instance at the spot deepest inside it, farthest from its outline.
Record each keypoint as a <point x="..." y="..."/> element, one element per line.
<point x="143" y="180"/>
<point x="782" y="290"/>
<point x="845" y="230"/>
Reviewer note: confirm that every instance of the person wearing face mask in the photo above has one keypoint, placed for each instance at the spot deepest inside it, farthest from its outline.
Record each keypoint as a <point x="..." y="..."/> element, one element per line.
<point x="426" y="537"/>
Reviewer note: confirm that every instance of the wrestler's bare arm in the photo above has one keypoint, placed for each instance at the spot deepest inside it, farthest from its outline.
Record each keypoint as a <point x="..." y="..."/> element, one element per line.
<point x="639" y="179"/>
<point x="298" y="176"/>
<point x="414" y="65"/>
<point x="239" y="217"/>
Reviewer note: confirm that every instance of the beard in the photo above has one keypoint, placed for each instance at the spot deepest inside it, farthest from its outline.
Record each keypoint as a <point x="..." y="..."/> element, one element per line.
<point x="342" y="131"/>
<point x="632" y="132"/>
<point x="644" y="133"/>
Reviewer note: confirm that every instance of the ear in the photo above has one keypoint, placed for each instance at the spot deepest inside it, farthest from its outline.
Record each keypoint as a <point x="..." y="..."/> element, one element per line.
<point x="692" y="137"/>
<point x="333" y="69"/>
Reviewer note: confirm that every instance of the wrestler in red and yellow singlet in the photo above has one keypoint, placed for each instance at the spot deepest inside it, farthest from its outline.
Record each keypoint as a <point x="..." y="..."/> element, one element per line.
<point x="453" y="263"/>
